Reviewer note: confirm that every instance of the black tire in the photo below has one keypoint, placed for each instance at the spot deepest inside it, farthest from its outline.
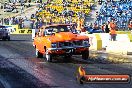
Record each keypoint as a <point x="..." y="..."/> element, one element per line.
<point x="85" y="55"/>
<point x="38" y="54"/>
<point x="4" y="39"/>
<point x="8" y="38"/>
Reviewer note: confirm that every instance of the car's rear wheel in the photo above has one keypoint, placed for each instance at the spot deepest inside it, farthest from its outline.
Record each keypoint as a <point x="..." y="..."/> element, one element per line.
<point x="3" y="38"/>
<point x="85" y="54"/>
<point x="9" y="39"/>
<point x="38" y="54"/>
<point x="48" y="57"/>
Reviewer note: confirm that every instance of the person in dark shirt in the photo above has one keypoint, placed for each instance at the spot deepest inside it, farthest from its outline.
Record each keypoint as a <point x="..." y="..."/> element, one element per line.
<point x="107" y="28"/>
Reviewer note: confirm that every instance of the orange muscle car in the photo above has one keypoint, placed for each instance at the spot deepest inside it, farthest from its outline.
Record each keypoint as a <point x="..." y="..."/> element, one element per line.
<point x="60" y="39"/>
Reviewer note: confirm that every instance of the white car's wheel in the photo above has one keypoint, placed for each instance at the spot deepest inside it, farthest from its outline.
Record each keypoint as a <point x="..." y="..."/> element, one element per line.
<point x="38" y="54"/>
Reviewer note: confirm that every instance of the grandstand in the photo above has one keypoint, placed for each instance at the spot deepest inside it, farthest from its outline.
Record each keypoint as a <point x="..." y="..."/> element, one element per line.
<point x="57" y="11"/>
<point x="119" y="11"/>
<point x="62" y="10"/>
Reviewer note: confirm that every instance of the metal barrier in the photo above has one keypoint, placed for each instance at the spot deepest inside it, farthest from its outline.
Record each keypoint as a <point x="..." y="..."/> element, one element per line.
<point x="16" y="30"/>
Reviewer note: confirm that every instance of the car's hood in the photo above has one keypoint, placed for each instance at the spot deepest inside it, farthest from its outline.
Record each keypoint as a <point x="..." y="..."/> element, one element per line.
<point x="63" y="36"/>
<point x="66" y="36"/>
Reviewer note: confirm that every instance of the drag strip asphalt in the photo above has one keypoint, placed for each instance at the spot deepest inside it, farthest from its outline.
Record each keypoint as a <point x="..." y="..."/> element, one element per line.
<point x="21" y="69"/>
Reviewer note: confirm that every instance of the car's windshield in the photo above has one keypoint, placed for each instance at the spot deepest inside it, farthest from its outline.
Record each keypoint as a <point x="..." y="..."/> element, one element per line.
<point x="56" y="29"/>
<point x="60" y="28"/>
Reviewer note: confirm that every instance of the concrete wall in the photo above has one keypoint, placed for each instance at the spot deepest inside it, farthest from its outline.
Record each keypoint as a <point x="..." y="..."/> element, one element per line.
<point x="122" y="45"/>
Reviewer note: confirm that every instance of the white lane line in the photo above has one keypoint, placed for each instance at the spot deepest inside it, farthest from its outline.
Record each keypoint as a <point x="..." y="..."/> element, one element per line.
<point x="41" y="62"/>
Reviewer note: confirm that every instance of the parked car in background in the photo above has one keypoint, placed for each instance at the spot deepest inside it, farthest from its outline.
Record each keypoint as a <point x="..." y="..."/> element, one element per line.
<point x="4" y="33"/>
<point x="91" y="30"/>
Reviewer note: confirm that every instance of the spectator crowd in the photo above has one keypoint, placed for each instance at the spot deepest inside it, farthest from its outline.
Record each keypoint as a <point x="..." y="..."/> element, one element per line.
<point x="120" y="11"/>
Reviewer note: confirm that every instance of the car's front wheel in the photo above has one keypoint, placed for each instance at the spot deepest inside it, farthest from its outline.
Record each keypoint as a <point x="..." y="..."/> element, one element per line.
<point x="38" y="54"/>
<point x="48" y="57"/>
<point x="85" y="54"/>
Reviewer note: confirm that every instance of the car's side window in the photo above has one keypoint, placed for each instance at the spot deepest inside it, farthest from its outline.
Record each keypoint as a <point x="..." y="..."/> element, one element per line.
<point x="55" y="30"/>
<point x="61" y="29"/>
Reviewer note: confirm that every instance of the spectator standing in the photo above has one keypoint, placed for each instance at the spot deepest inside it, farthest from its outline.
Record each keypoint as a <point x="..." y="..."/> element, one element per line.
<point x="5" y="21"/>
<point x="40" y="1"/>
<point x="13" y="20"/>
<point x="32" y="24"/>
<point x="20" y="23"/>
<point x="113" y="30"/>
<point x="10" y="21"/>
<point x="16" y="21"/>
<point x="103" y="27"/>
<point x="107" y="28"/>
<point x="29" y="1"/>
<point x="83" y="29"/>
<point x="50" y="21"/>
<point x="78" y="24"/>
<point x="22" y="9"/>
<point x="91" y="25"/>
<point x="36" y="24"/>
<point x="0" y="21"/>
<point x="95" y="26"/>
<point x="130" y="26"/>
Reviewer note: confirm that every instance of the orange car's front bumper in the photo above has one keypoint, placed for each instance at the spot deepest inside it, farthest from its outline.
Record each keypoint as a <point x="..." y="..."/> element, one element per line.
<point x="68" y="50"/>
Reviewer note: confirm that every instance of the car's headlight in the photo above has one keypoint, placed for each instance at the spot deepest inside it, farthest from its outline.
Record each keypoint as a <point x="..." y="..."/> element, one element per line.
<point x="54" y="45"/>
<point x="85" y="42"/>
<point x="78" y="43"/>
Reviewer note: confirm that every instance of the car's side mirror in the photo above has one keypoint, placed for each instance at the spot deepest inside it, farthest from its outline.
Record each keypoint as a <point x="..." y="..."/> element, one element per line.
<point x="36" y="34"/>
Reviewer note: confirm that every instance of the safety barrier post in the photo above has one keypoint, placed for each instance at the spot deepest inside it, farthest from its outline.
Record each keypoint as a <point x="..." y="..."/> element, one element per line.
<point x="99" y="42"/>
